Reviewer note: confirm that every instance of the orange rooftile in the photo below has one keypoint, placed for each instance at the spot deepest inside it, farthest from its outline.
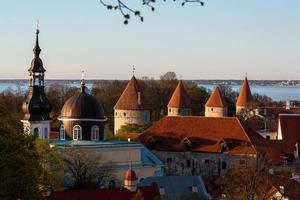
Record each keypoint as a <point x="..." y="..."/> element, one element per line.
<point x="245" y="96"/>
<point x="205" y="133"/>
<point x="132" y="97"/>
<point x="216" y="99"/>
<point x="180" y="98"/>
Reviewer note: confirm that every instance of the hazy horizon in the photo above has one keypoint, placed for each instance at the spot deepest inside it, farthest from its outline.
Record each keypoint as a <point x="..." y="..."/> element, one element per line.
<point x="220" y="41"/>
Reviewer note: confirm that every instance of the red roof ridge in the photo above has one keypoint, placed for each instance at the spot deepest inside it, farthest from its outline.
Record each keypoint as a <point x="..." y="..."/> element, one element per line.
<point x="245" y="96"/>
<point x="216" y="99"/>
<point x="132" y="97"/>
<point x="180" y="98"/>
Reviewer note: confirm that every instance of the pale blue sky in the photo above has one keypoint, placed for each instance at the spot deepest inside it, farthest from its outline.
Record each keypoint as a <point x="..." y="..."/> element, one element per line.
<point x="222" y="40"/>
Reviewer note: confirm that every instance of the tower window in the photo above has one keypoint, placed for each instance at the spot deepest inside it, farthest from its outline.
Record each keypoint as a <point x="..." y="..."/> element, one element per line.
<point x="212" y="109"/>
<point x="77" y="132"/>
<point x="95" y="132"/>
<point x="124" y="114"/>
<point x="62" y="132"/>
<point x="116" y="113"/>
<point x="224" y="165"/>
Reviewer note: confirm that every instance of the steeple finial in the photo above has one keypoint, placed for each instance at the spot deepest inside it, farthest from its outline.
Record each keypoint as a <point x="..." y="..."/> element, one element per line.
<point x="133" y="70"/>
<point x="246" y="74"/>
<point x="82" y="81"/>
<point x="37" y="48"/>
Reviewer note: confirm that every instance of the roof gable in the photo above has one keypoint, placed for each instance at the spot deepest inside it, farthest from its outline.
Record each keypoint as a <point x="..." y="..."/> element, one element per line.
<point x="180" y="98"/>
<point x="216" y="99"/>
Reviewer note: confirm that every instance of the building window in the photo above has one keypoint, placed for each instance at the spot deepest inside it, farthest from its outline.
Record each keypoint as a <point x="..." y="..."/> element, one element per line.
<point x="206" y="161"/>
<point x="77" y="132"/>
<point x="224" y="165"/>
<point x="95" y="132"/>
<point x="62" y="132"/>
<point x="112" y="184"/>
<point x="212" y="109"/>
<point x="169" y="110"/>
<point x="242" y="162"/>
<point x="46" y="134"/>
<point x="124" y="114"/>
<point x="116" y="114"/>
<point x="268" y="137"/>
<point x="179" y="110"/>
<point x="36" y="131"/>
<point x="188" y="163"/>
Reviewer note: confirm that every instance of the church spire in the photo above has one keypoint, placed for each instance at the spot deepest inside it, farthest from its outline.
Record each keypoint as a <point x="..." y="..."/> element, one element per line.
<point x="82" y="83"/>
<point x="37" y="49"/>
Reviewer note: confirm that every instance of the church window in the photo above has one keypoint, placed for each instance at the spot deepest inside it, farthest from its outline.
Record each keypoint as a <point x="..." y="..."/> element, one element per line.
<point x="95" y="132"/>
<point x="62" y="132"/>
<point x="77" y="132"/>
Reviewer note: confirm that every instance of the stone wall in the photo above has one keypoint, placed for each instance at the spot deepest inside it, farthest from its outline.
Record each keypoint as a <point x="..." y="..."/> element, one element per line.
<point x="179" y="111"/>
<point x="215" y="112"/>
<point x="189" y="163"/>
<point x="123" y="117"/>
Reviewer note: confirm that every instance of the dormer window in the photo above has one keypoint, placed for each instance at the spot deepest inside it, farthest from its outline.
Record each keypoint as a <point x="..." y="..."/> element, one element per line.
<point x="187" y="144"/>
<point x="151" y="143"/>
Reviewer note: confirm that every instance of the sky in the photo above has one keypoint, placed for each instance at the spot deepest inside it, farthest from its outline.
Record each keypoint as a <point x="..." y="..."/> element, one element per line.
<point x="221" y="40"/>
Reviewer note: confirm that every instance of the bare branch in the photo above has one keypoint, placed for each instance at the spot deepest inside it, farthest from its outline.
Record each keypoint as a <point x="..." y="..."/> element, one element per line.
<point x="126" y="11"/>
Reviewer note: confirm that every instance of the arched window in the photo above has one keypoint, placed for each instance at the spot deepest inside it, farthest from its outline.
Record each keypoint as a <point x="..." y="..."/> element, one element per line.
<point x="36" y="131"/>
<point x="77" y="132"/>
<point x="95" y="132"/>
<point x="62" y="132"/>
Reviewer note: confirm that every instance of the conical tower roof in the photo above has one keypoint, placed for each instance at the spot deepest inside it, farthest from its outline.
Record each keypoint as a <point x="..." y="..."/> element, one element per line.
<point x="245" y="96"/>
<point x="132" y="97"/>
<point x="180" y="98"/>
<point x="216" y="99"/>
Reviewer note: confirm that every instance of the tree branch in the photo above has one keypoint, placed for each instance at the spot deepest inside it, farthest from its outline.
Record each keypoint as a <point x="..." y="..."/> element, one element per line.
<point x="126" y="11"/>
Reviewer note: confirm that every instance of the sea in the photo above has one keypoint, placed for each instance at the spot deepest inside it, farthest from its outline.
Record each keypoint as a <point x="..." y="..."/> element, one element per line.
<point x="277" y="93"/>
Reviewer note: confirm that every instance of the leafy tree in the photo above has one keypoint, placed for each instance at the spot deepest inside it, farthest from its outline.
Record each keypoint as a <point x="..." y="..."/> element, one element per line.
<point x="246" y="180"/>
<point x="20" y="168"/>
<point x="85" y="169"/>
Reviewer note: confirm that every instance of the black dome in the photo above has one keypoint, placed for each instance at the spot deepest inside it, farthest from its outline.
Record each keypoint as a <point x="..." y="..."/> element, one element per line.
<point x="82" y="106"/>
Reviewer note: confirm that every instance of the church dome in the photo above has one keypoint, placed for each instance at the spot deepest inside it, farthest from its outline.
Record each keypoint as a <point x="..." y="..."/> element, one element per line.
<point x="82" y="106"/>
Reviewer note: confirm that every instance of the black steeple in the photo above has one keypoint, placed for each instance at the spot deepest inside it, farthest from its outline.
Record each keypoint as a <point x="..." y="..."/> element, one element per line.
<point x="36" y="107"/>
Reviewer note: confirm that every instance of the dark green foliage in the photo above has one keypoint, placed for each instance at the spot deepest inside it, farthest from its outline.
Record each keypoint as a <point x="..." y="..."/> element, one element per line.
<point x="19" y="161"/>
<point x="133" y="128"/>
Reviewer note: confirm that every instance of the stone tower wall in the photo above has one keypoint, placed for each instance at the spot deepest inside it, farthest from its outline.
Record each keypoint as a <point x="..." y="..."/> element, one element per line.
<point x="215" y="112"/>
<point x="179" y="111"/>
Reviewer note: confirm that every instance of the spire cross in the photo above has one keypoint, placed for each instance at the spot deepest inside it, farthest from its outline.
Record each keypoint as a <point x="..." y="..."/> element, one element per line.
<point x="37" y="26"/>
<point x="133" y="70"/>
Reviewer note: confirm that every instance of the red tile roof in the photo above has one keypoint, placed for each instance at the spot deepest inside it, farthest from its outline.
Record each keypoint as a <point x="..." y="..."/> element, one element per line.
<point x="290" y="129"/>
<point x="180" y="98"/>
<point x="204" y="133"/>
<point x="147" y="193"/>
<point x="245" y="96"/>
<point x="129" y="100"/>
<point x="216" y="99"/>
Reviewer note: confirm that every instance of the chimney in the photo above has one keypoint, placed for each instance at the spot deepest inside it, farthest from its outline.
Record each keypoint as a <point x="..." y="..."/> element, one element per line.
<point x="281" y="188"/>
<point x="139" y="98"/>
<point x="194" y="189"/>
<point x="162" y="191"/>
<point x="288" y="105"/>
